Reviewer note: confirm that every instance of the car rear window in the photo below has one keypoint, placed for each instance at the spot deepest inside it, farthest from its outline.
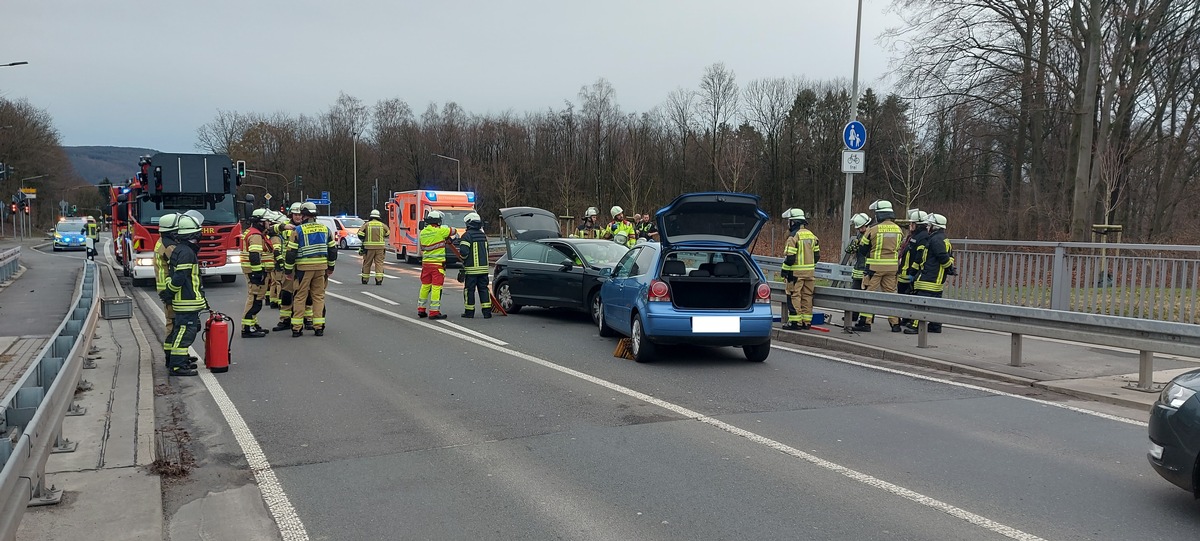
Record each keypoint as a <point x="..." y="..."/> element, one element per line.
<point x="719" y="264"/>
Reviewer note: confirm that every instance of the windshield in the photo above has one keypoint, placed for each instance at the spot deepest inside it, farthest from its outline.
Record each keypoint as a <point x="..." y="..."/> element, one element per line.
<point x="351" y="223"/>
<point x="601" y="254"/>
<point x="223" y="213"/>
<point x="453" y="217"/>
<point x="71" y="227"/>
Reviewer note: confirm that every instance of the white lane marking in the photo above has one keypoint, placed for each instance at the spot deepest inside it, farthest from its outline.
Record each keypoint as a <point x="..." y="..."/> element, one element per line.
<point x="377" y="297"/>
<point x="474" y="333"/>
<point x="977" y="520"/>
<point x="291" y="528"/>
<point x="335" y="281"/>
<point x="1076" y="409"/>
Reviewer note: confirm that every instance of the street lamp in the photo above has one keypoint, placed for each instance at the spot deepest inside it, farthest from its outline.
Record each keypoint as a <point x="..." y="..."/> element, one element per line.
<point x="13" y="64"/>
<point x="457" y="168"/>
<point x="354" y="149"/>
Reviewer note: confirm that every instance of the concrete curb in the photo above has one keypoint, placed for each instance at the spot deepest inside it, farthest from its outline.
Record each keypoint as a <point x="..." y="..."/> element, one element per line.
<point x="1115" y="400"/>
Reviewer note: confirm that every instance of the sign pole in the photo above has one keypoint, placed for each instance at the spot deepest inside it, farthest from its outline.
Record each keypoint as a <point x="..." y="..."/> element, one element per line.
<point x="846" y="202"/>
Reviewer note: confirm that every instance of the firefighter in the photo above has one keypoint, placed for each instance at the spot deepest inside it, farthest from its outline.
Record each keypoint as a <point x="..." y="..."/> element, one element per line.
<point x="433" y="265"/>
<point x="801" y="253"/>
<point x="311" y="255"/>
<point x="880" y="245"/>
<point x="372" y="235"/>
<point x="257" y="261"/>
<point x="185" y="295"/>
<point x="858" y="223"/>
<point x="473" y="246"/>
<point x="167" y="225"/>
<point x="284" y="227"/>
<point x="275" y="277"/>
<point x="588" y="228"/>
<point x="916" y="225"/>
<point x="936" y="258"/>
<point x="619" y="229"/>
<point x="645" y="228"/>
<point x="93" y="234"/>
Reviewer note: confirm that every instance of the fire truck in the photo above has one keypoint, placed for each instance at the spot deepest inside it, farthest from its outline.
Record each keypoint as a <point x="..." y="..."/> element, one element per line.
<point x="167" y="183"/>
<point x="406" y="217"/>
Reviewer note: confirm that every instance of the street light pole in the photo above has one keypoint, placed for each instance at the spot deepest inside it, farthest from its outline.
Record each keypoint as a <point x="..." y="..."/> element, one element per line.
<point x="846" y="203"/>
<point x="354" y="137"/>
<point x="457" y="169"/>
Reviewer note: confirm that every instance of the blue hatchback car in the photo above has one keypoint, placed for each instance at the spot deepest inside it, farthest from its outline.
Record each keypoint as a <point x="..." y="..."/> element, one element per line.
<point x="698" y="285"/>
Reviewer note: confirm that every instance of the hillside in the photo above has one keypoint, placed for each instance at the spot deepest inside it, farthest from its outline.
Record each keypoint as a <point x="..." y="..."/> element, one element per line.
<point x="96" y="163"/>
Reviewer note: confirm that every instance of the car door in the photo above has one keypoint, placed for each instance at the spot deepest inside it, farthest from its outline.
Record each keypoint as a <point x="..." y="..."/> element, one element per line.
<point x="528" y="274"/>
<point x="618" y="305"/>
<point x="566" y="284"/>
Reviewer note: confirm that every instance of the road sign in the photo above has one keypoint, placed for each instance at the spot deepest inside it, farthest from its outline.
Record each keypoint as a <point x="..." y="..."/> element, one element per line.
<point x="854" y="161"/>
<point x="317" y="201"/>
<point x="854" y="135"/>
<point x="325" y="195"/>
<point x="267" y="197"/>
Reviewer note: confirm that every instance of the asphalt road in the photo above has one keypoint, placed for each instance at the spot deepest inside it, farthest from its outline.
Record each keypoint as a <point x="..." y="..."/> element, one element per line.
<point x="36" y="304"/>
<point x="390" y="427"/>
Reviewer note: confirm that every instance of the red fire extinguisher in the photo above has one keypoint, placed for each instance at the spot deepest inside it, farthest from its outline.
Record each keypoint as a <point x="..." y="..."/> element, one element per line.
<point x="218" y="342"/>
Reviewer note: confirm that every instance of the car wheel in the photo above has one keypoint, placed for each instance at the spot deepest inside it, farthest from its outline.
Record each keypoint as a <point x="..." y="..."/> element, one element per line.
<point x="504" y="295"/>
<point x="594" y="304"/>
<point x="57" y="249"/>
<point x="757" y="353"/>
<point x="408" y="258"/>
<point x="605" y="330"/>
<point x="342" y="244"/>
<point x="400" y="255"/>
<point x="643" y="349"/>
<point x="228" y="278"/>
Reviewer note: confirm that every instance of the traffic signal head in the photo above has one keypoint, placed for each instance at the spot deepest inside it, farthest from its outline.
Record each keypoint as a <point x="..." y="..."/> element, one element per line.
<point x="13" y="207"/>
<point x="241" y="168"/>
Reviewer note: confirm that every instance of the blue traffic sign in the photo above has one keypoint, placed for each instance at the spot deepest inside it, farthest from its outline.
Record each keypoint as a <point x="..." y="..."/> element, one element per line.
<point x="317" y="201"/>
<point x="854" y="135"/>
<point x="325" y="195"/>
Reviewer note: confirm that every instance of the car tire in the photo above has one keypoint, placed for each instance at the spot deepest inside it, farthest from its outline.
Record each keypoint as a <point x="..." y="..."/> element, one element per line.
<point x="594" y="304"/>
<point x="228" y="278"/>
<point x="758" y="352"/>
<point x="504" y="295"/>
<point x="408" y="258"/>
<point x="57" y="249"/>
<point x="605" y="330"/>
<point x="342" y="244"/>
<point x="643" y="349"/>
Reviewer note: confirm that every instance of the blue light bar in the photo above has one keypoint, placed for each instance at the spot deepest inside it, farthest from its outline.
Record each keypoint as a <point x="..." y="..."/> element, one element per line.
<point x="431" y="195"/>
<point x="470" y="197"/>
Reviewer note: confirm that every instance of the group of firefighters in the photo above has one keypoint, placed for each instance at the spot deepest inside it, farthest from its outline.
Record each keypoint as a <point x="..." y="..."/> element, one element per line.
<point x="885" y="259"/>
<point x="619" y="230"/>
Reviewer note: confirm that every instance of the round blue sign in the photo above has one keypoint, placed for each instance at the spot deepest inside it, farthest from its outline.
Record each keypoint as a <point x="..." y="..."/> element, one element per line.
<point x="854" y="135"/>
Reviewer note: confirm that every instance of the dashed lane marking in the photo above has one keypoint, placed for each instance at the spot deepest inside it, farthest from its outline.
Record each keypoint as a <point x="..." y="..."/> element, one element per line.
<point x="866" y="479"/>
<point x="377" y="297"/>
<point x="474" y="333"/>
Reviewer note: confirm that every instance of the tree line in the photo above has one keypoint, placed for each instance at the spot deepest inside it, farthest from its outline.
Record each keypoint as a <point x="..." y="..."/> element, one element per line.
<point x="33" y="157"/>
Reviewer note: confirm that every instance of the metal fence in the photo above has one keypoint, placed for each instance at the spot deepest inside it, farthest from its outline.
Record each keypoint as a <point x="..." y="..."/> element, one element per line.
<point x="34" y="409"/>
<point x="1147" y="281"/>
<point x="10" y="260"/>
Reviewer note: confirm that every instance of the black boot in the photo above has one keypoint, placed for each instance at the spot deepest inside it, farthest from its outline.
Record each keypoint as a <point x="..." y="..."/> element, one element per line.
<point x="487" y="313"/>
<point x="281" y="326"/>
<point x="378" y="282"/>
<point x="319" y="332"/>
<point x="253" y="331"/>
<point x="468" y="314"/>
<point x="308" y="325"/>
<point x="364" y="281"/>
<point x="297" y="334"/>
<point x="896" y="328"/>
<point x="912" y="329"/>
<point x="862" y="327"/>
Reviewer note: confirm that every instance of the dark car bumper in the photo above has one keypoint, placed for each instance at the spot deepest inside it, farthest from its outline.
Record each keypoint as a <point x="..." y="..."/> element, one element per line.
<point x="1177" y="433"/>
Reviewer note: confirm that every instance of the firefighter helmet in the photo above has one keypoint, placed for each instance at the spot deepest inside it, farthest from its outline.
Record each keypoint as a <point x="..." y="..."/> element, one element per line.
<point x="591" y="211"/>
<point x="308" y="208"/>
<point x="169" y="222"/>
<point x="936" y="221"/>
<point x="621" y="238"/>
<point x="794" y="214"/>
<point x="615" y="211"/>
<point x="472" y="220"/>
<point x="881" y="205"/>
<point x="258" y="215"/>
<point x="188" y="226"/>
<point x="860" y="220"/>
<point x="196" y="215"/>
<point x="374" y="213"/>
<point x="434" y="217"/>
<point x="295" y="208"/>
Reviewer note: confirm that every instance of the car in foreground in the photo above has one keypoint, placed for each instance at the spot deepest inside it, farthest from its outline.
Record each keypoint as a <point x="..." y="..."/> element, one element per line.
<point x="698" y="285"/>
<point x="540" y="268"/>
<point x="70" y="235"/>
<point x="1175" y="432"/>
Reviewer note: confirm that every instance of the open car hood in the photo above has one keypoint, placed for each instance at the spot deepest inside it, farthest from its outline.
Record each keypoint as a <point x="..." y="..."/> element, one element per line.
<point x="711" y="218"/>
<point x="530" y="223"/>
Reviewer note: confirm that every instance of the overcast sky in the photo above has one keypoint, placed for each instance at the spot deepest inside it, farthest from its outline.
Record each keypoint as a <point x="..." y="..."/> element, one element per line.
<point x="147" y="73"/>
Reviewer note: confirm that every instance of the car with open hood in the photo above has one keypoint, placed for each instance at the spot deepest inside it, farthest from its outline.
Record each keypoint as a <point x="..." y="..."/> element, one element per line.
<point x="1174" y="430"/>
<point x="697" y="285"/>
<point x="541" y="268"/>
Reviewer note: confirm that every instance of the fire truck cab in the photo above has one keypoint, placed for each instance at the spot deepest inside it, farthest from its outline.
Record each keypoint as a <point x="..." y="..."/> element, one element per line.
<point x="167" y="183"/>
<point x="406" y="217"/>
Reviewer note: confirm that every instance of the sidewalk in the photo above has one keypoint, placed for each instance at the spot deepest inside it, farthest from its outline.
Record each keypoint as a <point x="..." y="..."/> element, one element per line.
<point x="1086" y="371"/>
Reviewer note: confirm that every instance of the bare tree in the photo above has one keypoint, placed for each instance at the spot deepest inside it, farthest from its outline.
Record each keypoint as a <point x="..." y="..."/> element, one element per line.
<point x="219" y="135"/>
<point x="718" y="107"/>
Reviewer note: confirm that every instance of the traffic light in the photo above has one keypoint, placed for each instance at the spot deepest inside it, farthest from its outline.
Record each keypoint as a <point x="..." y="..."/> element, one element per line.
<point x="25" y="205"/>
<point x="13" y="207"/>
<point x="74" y="209"/>
<point x="241" y="169"/>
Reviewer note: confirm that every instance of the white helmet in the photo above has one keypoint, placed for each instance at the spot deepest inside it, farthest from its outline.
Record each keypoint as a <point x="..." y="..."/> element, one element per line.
<point x="308" y="208"/>
<point x="860" y="220"/>
<point x="169" y="222"/>
<point x="187" y="226"/>
<point x="881" y="205"/>
<point x="374" y="213"/>
<point x="434" y="217"/>
<point x="295" y="208"/>
<point x="615" y="211"/>
<point x="472" y="217"/>
<point x="591" y="211"/>
<point x="196" y="215"/>
<point x="935" y="221"/>
<point x="794" y="214"/>
<point x="917" y="215"/>
<point x="621" y="238"/>
<point x="258" y="214"/>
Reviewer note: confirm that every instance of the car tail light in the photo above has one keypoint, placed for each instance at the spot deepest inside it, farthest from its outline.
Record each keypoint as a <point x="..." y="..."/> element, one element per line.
<point x="763" y="293"/>
<point x="659" y="292"/>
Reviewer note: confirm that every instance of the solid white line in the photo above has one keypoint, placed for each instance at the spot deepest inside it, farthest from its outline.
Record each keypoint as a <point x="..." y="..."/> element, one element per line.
<point x="377" y="297"/>
<point x="335" y="281"/>
<point x="1101" y="415"/>
<point x="291" y="528"/>
<point x="475" y="333"/>
<point x="866" y="479"/>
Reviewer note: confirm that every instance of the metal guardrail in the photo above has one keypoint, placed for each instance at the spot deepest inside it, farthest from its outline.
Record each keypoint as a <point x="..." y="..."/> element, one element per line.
<point x="771" y="266"/>
<point x="33" y="410"/>
<point x="10" y="261"/>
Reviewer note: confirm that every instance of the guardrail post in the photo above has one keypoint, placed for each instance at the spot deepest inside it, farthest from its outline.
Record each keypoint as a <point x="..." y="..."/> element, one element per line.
<point x="1015" y="354"/>
<point x="922" y="334"/>
<point x="1060" y="281"/>
<point x="847" y="322"/>
<point x="1145" y="373"/>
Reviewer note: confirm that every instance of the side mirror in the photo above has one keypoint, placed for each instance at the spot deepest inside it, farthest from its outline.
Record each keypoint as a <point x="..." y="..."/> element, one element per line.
<point x="566" y="265"/>
<point x="605" y="272"/>
<point x="123" y="212"/>
<point x="421" y="224"/>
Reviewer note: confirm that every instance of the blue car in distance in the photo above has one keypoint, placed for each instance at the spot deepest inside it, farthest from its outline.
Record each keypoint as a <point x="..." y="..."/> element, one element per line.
<point x="698" y="285"/>
<point x="70" y="235"/>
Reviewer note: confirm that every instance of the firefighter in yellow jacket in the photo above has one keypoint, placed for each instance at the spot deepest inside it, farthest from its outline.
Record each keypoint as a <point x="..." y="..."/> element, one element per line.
<point x="311" y="255"/>
<point x="163" y="249"/>
<point x="881" y="245"/>
<point x="257" y="261"/>
<point x="373" y="235"/>
<point x="185" y="295"/>
<point x="801" y="253"/>
<point x="433" y="265"/>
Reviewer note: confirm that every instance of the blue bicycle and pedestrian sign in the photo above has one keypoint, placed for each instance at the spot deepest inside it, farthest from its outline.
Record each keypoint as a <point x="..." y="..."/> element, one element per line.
<point x="854" y="135"/>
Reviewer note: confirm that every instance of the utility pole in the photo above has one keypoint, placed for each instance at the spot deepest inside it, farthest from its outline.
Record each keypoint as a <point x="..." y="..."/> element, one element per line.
<point x="354" y="136"/>
<point x="847" y="202"/>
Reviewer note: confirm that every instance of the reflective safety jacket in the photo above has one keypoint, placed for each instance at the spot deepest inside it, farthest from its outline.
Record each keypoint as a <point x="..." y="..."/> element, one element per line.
<point x="277" y="245"/>
<point x="936" y="258"/>
<point x="373" y="233"/>
<point x="616" y="227"/>
<point x="645" y="229"/>
<point x="473" y="246"/>
<point x="881" y="245"/>
<point x="257" y="255"/>
<point x="311" y="247"/>
<point x="162" y="262"/>
<point x="433" y="244"/>
<point x="588" y="231"/>
<point x="93" y="230"/>
<point x="801" y="253"/>
<point x="185" y="279"/>
<point x="909" y="266"/>
<point x="860" y="258"/>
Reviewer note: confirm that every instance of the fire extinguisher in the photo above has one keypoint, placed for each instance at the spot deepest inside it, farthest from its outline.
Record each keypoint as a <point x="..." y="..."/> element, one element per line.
<point x="218" y="342"/>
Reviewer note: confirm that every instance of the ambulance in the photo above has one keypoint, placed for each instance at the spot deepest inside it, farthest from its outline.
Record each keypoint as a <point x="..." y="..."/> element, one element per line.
<point x="406" y="217"/>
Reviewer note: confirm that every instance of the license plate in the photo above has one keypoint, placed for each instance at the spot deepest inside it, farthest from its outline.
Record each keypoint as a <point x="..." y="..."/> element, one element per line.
<point x="203" y="271"/>
<point x="716" y="324"/>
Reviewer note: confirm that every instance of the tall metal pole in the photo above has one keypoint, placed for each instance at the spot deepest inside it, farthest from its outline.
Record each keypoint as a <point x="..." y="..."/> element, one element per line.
<point x="458" y="173"/>
<point x="846" y="203"/>
<point x="355" y="137"/>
